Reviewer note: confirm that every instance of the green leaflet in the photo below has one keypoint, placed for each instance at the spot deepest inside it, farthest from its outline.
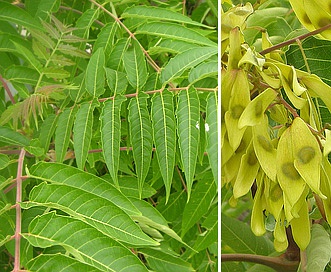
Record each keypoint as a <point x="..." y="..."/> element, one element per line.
<point x="111" y="134"/>
<point x="240" y="238"/>
<point x="154" y="219"/>
<point x="83" y="132"/>
<point x="188" y="116"/>
<point x="22" y="74"/>
<point x="319" y="249"/>
<point x="210" y="235"/>
<point x="89" y="208"/>
<point x="106" y="38"/>
<point x="63" y="131"/>
<point x="135" y="66"/>
<point x="161" y="261"/>
<point x="141" y="136"/>
<point x="88" y="245"/>
<point x="16" y="15"/>
<point x="188" y="59"/>
<point x="11" y="137"/>
<point x="156" y="13"/>
<point x="58" y="262"/>
<point x="115" y="59"/>
<point x="84" y="23"/>
<point x="29" y="56"/>
<point x="174" y="31"/>
<point x="202" y="196"/>
<point x="164" y="132"/>
<point x="4" y="161"/>
<point x="203" y="70"/>
<point x="95" y="73"/>
<point x="211" y="129"/>
<point x="116" y="81"/>
<point x="58" y="173"/>
<point x="42" y="9"/>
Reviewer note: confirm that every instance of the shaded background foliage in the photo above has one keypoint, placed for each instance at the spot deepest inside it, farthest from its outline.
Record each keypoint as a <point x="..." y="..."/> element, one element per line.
<point x="112" y="107"/>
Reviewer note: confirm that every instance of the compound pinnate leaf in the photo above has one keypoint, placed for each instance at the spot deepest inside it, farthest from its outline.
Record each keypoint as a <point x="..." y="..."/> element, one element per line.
<point x="111" y="134"/>
<point x="188" y="116"/>
<point x="83" y="133"/>
<point x="95" y="73"/>
<point x="94" y="210"/>
<point x="141" y="136"/>
<point x="164" y="131"/>
<point x="83" y="241"/>
<point x="58" y="173"/>
<point x="188" y="59"/>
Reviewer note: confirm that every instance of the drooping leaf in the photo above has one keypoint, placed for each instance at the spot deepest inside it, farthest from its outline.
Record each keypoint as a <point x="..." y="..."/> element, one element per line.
<point x="47" y="130"/>
<point x="188" y="116"/>
<point x="238" y="235"/>
<point x="164" y="262"/>
<point x="11" y="137"/>
<point x="135" y="66"/>
<point x="211" y="129"/>
<point x="111" y="134"/>
<point x="57" y="262"/>
<point x="202" y="196"/>
<point x="164" y="131"/>
<point x="141" y="136"/>
<point x="94" y="210"/>
<point x="174" y="31"/>
<point x="88" y="245"/>
<point x="83" y="132"/>
<point x="319" y="249"/>
<point x="188" y="59"/>
<point x="95" y="73"/>
<point x="58" y="173"/>
<point x="71" y="50"/>
<point x="16" y="15"/>
<point x="157" y="13"/>
<point x="63" y="132"/>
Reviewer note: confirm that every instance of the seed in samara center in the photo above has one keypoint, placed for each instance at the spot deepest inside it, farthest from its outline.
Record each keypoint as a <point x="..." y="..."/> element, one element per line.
<point x="236" y="111"/>
<point x="306" y="154"/>
<point x="290" y="171"/>
<point x="265" y="143"/>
